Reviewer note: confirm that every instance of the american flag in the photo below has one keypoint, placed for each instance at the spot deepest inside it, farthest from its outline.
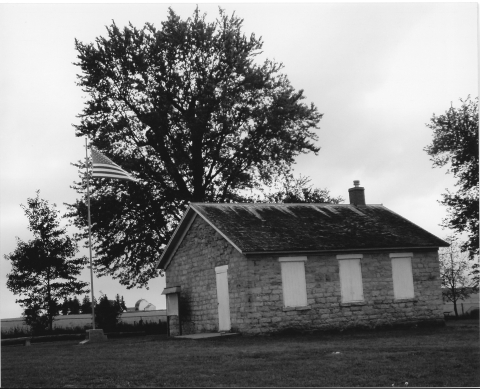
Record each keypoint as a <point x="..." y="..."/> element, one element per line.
<point x="103" y="167"/>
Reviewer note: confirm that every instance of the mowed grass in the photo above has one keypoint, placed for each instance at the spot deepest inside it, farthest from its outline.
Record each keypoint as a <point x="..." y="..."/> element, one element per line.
<point x="445" y="356"/>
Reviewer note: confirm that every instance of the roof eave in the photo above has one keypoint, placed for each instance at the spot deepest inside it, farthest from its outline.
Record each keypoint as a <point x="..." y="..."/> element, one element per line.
<point x="180" y="232"/>
<point x="274" y="252"/>
<point x="177" y="238"/>
<point x="443" y="244"/>
<point x="211" y="224"/>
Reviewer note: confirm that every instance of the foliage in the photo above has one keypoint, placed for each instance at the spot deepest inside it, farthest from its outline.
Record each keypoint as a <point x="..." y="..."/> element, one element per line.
<point x="455" y="143"/>
<point x="71" y="306"/>
<point x="298" y="190"/>
<point x="120" y="302"/>
<point x="456" y="274"/>
<point x="44" y="269"/>
<point x="16" y="332"/>
<point x="193" y="115"/>
<point x="39" y="320"/>
<point x="473" y="314"/>
<point x="148" y="327"/>
<point x="107" y="313"/>
<point x="64" y="307"/>
<point x="86" y="306"/>
<point x="21" y="332"/>
<point x="75" y="306"/>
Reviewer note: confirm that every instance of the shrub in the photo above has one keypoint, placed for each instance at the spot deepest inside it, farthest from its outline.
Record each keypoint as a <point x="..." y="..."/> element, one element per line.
<point x="107" y="313"/>
<point x="16" y="332"/>
<point x="472" y="314"/>
<point x="149" y="327"/>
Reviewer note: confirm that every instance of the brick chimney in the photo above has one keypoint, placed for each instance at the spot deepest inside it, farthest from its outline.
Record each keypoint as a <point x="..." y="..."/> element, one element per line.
<point x="357" y="194"/>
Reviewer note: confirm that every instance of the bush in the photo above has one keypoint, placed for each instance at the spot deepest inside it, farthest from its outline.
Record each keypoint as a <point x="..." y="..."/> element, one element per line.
<point x="149" y="327"/>
<point x="107" y="314"/>
<point x="472" y="314"/>
<point x="19" y="332"/>
<point x="16" y="332"/>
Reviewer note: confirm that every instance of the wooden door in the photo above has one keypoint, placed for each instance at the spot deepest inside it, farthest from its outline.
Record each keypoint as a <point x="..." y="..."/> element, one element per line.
<point x="223" y="298"/>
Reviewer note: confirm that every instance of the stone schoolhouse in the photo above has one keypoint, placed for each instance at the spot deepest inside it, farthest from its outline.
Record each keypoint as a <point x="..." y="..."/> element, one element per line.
<point x="260" y="268"/>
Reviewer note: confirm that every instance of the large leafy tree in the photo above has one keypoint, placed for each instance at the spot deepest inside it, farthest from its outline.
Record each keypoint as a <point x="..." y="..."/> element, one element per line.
<point x="299" y="190"/>
<point x="455" y="144"/>
<point x="193" y="114"/>
<point x="44" y="269"/>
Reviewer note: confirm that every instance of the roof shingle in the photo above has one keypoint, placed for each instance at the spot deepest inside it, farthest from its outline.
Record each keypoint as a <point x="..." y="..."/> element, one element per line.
<point x="305" y="227"/>
<point x="263" y="228"/>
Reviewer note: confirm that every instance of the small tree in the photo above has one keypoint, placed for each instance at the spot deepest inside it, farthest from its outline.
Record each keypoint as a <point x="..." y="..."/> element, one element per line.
<point x="74" y="306"/>
<point x="36" y="317"/>
<point x="120" y="302"/>
<point x="65" y="307"/>
<point x="86" y="306"/>
<point x="107" y="313"/>
<point x="456" y="273"/>
<point x="44" y="269"/>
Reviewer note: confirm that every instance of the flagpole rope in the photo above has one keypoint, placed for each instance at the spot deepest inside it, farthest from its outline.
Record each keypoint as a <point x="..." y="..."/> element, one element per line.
<point x="90" y="235"/>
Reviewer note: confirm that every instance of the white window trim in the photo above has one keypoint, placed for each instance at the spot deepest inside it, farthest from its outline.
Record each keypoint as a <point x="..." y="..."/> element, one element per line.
<point x="221" y="269"/>
<point x="401" y="255"/>
<point x="350" y="256"/>
<point x="292" y="259"/>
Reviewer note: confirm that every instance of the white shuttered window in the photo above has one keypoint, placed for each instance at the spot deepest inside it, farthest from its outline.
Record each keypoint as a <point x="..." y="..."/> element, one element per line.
<point x="351" y="284"/>
<point x="402" y="276"/>
<point x="293" y="281"/>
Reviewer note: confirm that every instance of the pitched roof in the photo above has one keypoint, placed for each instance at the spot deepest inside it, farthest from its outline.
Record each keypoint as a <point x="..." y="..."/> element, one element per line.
<point x="283" y="228"/>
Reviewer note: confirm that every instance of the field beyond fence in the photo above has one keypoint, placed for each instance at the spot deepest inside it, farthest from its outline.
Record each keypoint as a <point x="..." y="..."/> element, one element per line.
<point x="429" y="357"/>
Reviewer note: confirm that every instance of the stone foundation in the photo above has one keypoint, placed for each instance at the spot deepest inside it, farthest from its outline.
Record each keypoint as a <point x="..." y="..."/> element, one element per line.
<point x="173" y="326"/>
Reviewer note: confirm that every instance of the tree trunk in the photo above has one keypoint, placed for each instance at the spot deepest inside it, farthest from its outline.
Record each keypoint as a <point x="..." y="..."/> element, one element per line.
<point x="49" y="302"/>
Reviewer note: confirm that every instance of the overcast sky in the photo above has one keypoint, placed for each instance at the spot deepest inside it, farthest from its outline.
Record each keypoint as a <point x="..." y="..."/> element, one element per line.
<point x="377" y="71"/>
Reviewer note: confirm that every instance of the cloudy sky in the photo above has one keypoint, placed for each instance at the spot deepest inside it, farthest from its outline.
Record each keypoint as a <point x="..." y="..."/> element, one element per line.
<point x="377" y="71"/>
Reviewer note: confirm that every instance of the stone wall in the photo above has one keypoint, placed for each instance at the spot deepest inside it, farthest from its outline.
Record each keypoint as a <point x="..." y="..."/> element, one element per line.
<point x="326" y="311"/>
<point x="255" y="289"/>
<point x="193" y="268"/>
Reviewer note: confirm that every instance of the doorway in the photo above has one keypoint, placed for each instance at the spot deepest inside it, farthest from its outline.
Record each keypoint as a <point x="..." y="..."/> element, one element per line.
<point x="223" y="298"/>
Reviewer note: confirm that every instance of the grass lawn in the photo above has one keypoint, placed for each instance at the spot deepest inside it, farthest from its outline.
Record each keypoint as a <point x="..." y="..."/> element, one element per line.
<point x="445" y="356"/>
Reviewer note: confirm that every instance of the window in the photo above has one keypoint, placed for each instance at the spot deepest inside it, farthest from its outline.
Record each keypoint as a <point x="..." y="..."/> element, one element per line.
<point x="402" y="275"/>
<point x="293" y="281"/>
<point x="172" y="304"/>
<point x="350" y="277"/>
<point x="172" y="295"/>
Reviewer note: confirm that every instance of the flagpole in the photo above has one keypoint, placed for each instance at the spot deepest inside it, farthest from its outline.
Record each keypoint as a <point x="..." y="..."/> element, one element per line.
<point x="90" y="235"/>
